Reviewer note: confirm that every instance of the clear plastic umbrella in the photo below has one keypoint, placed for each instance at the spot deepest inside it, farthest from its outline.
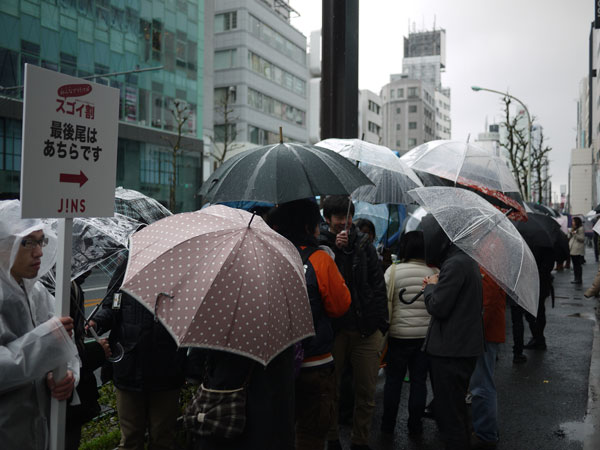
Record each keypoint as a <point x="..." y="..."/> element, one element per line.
<point x="138" y="206"/>
<point x="392" y="177"/>
<point x="97" y="242"/>
<point x="462" y="163"/>
<point x="487" y="236"/>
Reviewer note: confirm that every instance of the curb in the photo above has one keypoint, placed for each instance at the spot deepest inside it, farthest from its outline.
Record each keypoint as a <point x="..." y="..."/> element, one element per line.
<point x="591" y="439"/>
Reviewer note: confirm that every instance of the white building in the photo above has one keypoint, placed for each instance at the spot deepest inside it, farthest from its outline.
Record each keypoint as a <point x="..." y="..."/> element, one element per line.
<point x="370" y="117"/>
<point x="260" y="75"/>
<point x="581" y="175"/>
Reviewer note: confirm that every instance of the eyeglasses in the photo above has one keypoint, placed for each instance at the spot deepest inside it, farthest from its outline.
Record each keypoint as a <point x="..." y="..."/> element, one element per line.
<point x="30" y="244"/>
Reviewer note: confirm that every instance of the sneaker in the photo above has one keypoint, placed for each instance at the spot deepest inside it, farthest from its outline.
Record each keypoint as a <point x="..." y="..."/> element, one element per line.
<point x="519" y="359"/>
<point x="478" y="443"/>
<point x="535" y="344"/>
<point x="334" y="445"/>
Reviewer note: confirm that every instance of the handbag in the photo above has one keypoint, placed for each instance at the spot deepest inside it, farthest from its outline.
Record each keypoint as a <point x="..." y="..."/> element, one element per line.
<point x="216" y="412"/>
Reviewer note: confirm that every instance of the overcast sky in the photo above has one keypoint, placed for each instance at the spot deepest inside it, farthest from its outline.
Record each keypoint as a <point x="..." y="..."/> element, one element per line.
<point x="535" y="49"/>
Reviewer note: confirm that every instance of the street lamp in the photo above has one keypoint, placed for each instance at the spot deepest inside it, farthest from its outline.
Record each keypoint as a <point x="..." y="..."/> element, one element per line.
<point x="506" y="94"/>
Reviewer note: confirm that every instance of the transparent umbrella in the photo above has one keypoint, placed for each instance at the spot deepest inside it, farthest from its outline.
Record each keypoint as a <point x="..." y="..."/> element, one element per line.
<point x="391" y="176"/>
<point x="468" y="166"/>
<point x="487" y="236"/>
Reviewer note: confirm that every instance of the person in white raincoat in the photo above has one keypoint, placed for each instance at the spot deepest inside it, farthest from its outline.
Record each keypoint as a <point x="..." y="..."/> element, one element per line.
<point x="33" y="341"/>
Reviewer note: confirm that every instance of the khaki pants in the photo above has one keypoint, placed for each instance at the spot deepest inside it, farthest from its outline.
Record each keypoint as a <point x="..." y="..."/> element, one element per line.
<point x="156" y="411"/>
<point x="363" y="354"/>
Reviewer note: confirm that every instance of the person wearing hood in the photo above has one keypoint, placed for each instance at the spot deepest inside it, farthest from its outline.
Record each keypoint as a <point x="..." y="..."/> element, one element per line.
<point x="359" y="332"/>
<point x="33" y="341"/>
<point x="455" y="338"/>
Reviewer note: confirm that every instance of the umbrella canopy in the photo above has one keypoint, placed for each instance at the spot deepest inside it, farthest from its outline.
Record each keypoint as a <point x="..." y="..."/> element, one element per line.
<point x="229" y="282"/>
<point x="487" y="236"/>
<point x="138" y="206"/>
<point x="392" y="177"/>
<point x="97" y="242"/>
<point x="281" y="173"/>
<point x="541" y="230"/>
<point x="466" y="165"/>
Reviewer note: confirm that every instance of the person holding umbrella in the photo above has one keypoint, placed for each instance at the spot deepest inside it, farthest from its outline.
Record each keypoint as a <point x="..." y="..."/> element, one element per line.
<point x="329" y="298"/>
<point x="358" y="334"/>
<point x="455" y="336"/>
<point x="577" y="248"/>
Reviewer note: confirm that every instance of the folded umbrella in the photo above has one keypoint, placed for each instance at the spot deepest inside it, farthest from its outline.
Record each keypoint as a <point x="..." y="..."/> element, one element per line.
<point x="487" y="236"/>
<point x="281" y="173"/>
<point x="220" y="278"/>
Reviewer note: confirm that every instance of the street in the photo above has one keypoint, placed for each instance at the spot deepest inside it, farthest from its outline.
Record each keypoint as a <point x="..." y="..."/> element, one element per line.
<point x="542" y="404"/>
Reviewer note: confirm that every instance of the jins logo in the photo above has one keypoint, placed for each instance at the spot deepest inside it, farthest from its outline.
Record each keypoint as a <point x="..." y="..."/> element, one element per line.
<point x="74" y="90"/>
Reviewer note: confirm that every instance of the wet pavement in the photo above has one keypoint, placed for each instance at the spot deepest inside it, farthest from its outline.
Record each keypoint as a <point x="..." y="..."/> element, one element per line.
<point x="543" y="404"/>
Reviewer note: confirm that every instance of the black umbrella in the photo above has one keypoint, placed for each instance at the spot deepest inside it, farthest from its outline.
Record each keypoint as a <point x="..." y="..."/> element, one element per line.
<point x="281" y="173"/>
<point x="541" y="230"/>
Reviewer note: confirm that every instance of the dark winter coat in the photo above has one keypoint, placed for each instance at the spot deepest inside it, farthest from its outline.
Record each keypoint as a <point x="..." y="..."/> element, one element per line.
<point x="360" y="267"/>
<point x="456" y="301"/>
<point x="152" y="361"/>
<point x="269" y="401"/>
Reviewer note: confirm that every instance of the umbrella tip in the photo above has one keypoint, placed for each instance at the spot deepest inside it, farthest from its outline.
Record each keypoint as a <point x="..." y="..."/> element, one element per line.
<point x="281" y="135"/>
<point x="252" y="218"/>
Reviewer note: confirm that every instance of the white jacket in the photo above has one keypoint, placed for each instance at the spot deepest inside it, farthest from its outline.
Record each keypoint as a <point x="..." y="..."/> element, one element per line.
<point x="408" y="321"/>
<point x="577" y="241"/>
<point x="32" y="341"/>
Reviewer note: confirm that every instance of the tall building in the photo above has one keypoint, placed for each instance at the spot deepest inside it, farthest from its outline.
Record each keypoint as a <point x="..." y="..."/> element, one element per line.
<point x="101" y="37"/>
<point x="260" y="76"/>
<point x="408" y="113"/>
<point x="427" y="115"/>
<point x="370" y="117"/>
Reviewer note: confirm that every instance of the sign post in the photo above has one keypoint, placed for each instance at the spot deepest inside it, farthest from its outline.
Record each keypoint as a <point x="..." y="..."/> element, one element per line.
<point x="68" y="169"/>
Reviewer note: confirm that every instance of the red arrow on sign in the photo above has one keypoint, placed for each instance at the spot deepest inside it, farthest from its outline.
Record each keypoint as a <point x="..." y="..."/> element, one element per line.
<point x="73" y="178"/>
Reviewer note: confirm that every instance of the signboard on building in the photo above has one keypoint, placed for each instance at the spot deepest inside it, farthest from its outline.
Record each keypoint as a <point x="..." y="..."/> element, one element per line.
<point x="69" y="159"/>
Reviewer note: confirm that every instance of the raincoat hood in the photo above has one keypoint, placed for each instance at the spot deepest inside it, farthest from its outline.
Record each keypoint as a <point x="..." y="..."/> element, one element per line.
<point x="12" y="230"/>
<point x="437" y="243"/>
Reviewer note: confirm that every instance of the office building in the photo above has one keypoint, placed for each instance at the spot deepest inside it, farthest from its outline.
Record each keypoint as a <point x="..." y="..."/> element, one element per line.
<point x="370" y="117"/>
<point x="260" y="76"/>
<point x="84" y="38"/>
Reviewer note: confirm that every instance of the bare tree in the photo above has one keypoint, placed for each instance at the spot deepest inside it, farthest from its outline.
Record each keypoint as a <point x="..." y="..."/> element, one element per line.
<point x="539" y="166"/>
<point x="515" y="143"/>
<point x="181" y="114"/>
<point x="225" y="113"/>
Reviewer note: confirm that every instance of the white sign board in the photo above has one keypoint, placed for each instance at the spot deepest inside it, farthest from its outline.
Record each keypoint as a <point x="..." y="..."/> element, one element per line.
<point x="69" y="159"/>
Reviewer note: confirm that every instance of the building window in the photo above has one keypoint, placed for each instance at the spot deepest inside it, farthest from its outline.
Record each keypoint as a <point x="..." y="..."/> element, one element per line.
<point x="156" y="166"/>
<point x="276" y="74"/>
<point x="398" y="110"/>
<point x="225" y="134"/>
<point x="259" y="136"/>
<point x="413" y="109"/>
<point x="225" y="95"/>
<point x="391" y="93"/>
<point x="225" y="59"/>
<point x="398" y="144"/>
<point x="400" y="92"/>
<point x="412" y="142"/>
<point x="226" y="21"/>
<point x="397" y="127"/>
<point x="275" y="108"/>
<point x="374" y="107"/>
<point x="412" y="92"/>
<point x="412" y="125"/>
<point x="374" y="128"/>
<point x="10" y="144"/>
<point x="277" y="40"/>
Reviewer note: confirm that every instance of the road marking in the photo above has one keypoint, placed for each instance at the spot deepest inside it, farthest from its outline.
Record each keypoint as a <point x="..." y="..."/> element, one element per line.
<point x="92" y="302"/>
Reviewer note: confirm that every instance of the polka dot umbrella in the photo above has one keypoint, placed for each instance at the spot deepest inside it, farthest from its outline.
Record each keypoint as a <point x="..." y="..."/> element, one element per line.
<point x="220" y="278"/>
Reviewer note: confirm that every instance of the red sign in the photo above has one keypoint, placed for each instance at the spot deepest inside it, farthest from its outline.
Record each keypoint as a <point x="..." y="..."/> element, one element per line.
<point x="74" y="90"/>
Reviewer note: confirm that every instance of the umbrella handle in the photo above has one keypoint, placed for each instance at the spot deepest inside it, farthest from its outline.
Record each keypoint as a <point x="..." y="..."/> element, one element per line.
<point x="412" y="300"/>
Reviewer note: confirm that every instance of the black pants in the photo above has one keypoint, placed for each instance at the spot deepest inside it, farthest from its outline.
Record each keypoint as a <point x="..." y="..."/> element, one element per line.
<point x="404" y="354"/>
<point x="577" y="263"/>
<point x="536" y="325"/>
<point x="450" y="377"/>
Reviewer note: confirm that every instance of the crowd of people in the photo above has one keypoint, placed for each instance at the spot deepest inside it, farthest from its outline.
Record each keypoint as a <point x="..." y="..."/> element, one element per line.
<point x="434" y="313"/>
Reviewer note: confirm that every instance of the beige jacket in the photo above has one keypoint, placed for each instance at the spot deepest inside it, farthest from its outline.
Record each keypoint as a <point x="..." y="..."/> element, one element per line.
<point x="577" y="241"/>
<point x="408" y="321"/>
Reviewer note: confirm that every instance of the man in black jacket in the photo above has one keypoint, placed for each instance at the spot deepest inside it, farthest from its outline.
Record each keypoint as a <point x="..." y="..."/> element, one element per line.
<point x="454" y="340"/>
<point x="150" y="375"/>
<point x="359" y="332"/>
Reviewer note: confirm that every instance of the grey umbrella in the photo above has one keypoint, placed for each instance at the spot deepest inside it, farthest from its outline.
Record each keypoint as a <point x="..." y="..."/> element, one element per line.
<point x="281" y="173"/>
